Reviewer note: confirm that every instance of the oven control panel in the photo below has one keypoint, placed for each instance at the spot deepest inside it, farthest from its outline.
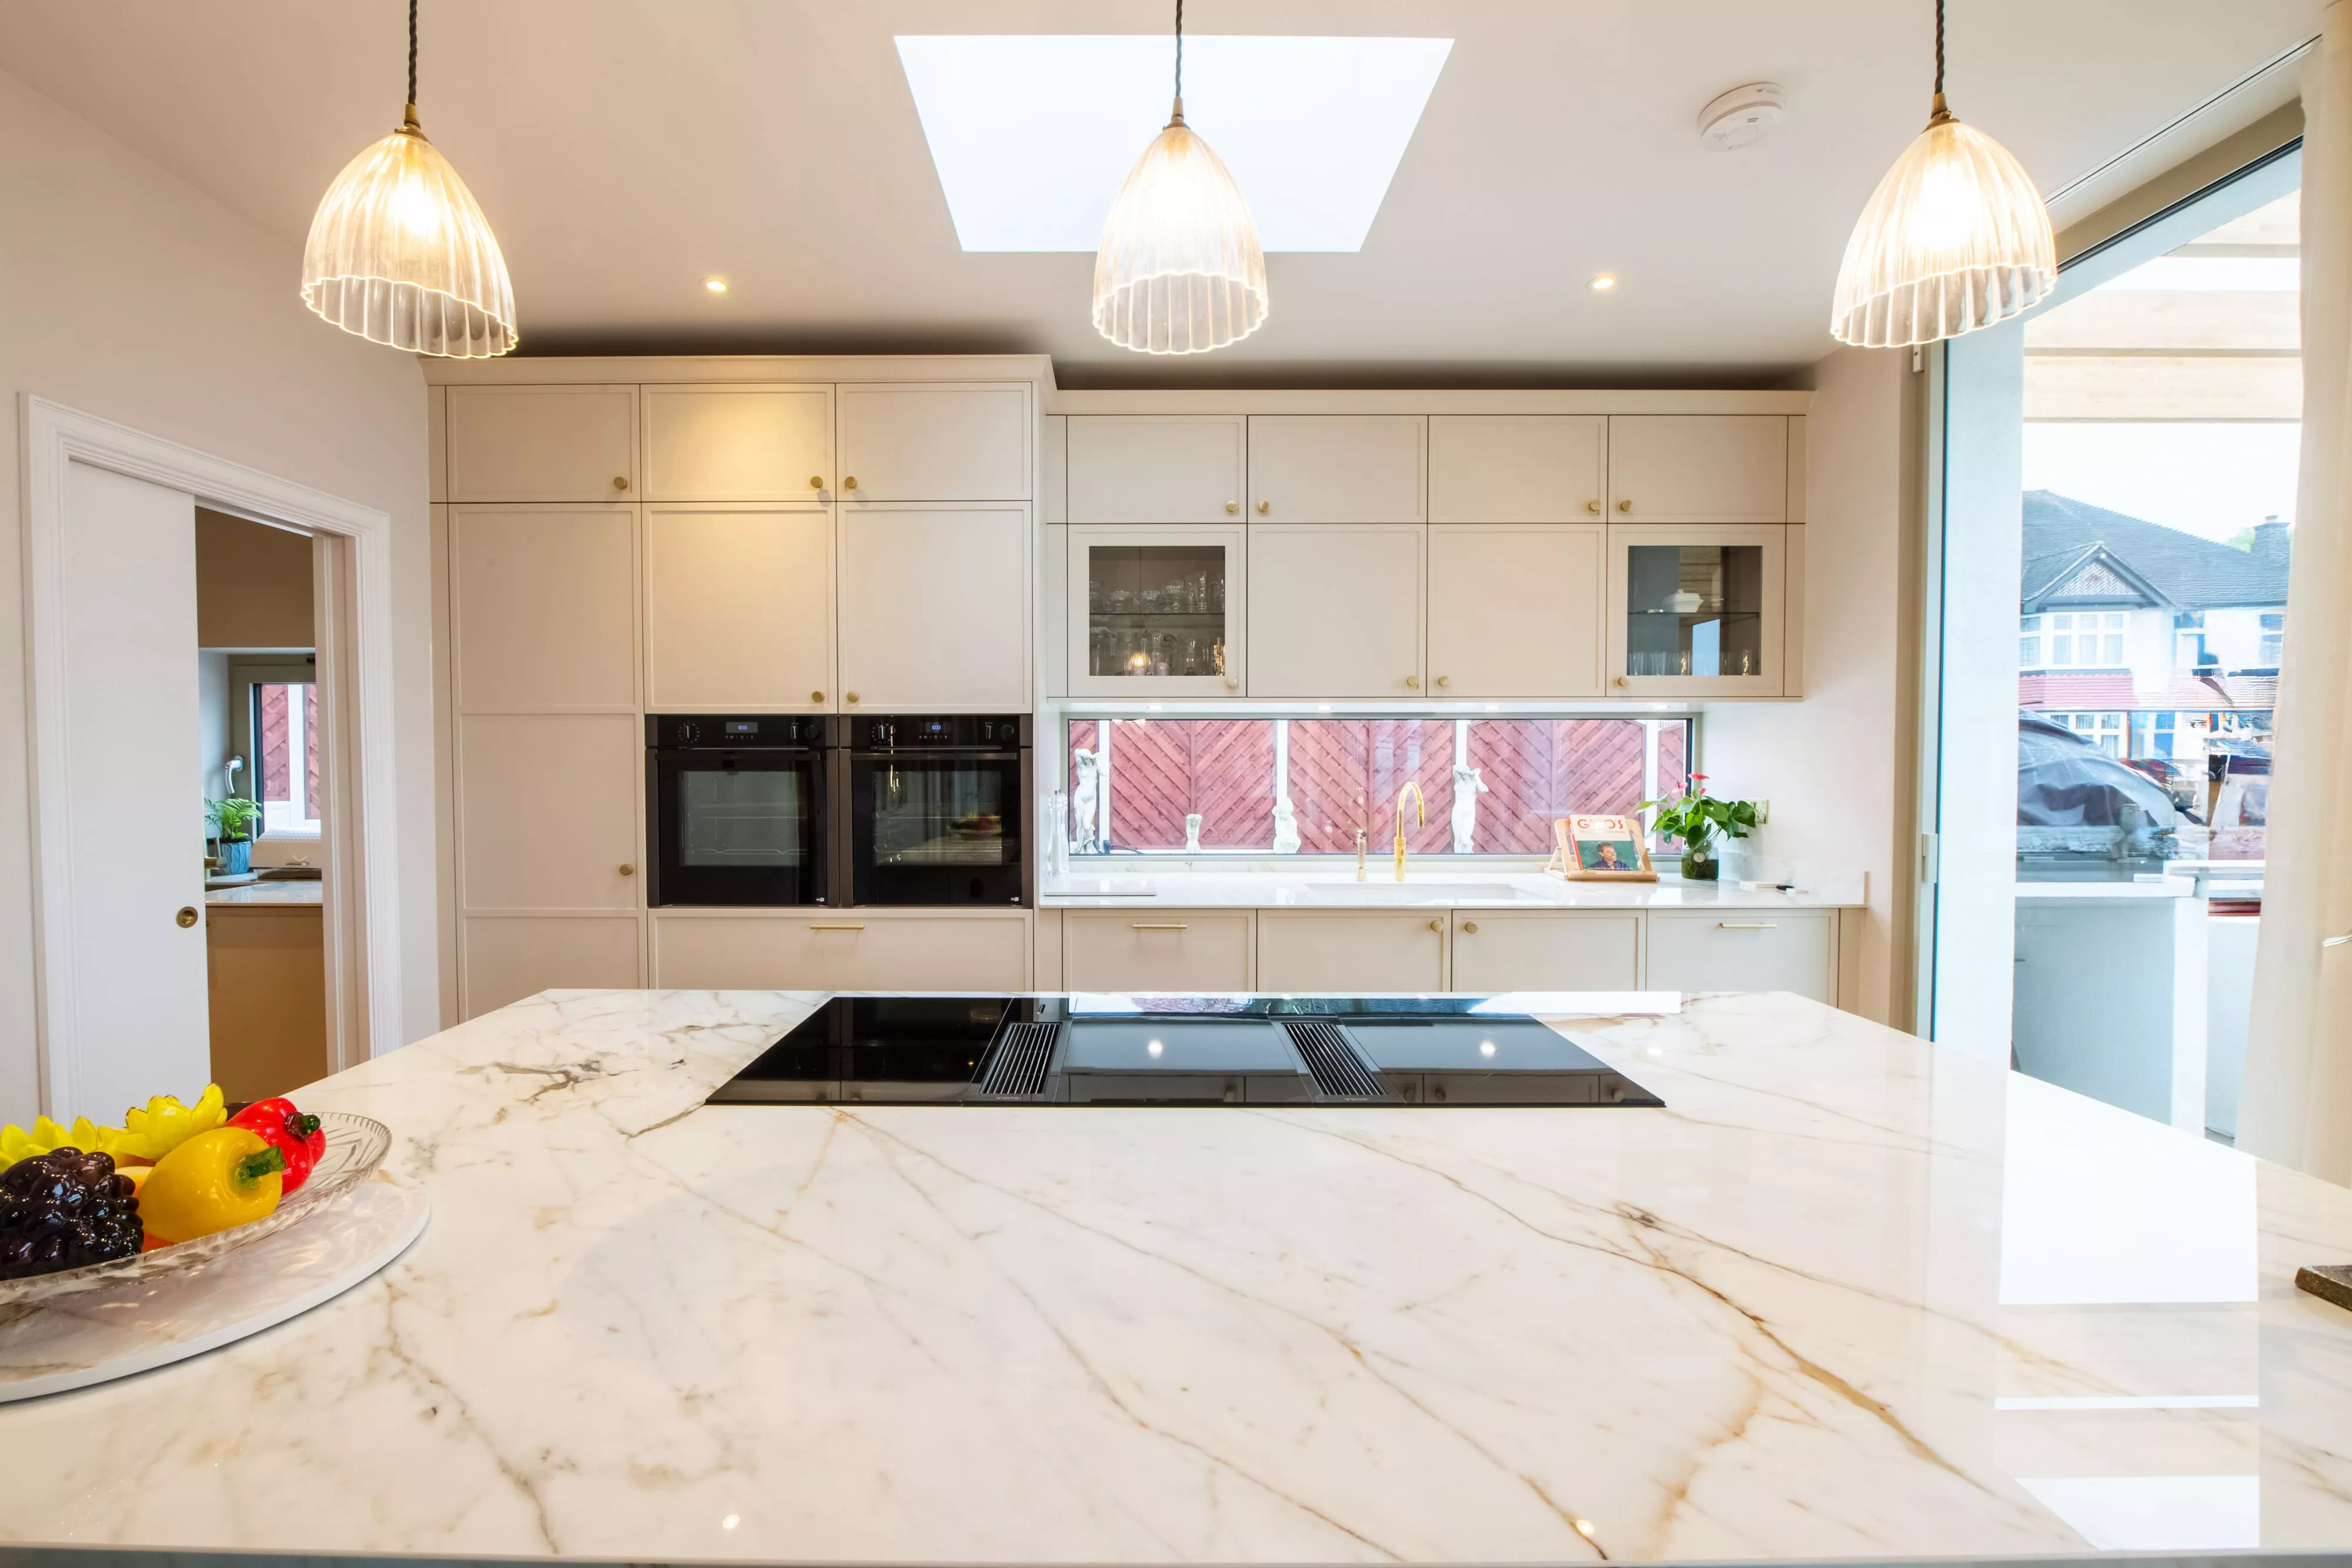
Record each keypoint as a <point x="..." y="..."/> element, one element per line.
<point x="723" y="731"/>
<point x="970" y="732"/>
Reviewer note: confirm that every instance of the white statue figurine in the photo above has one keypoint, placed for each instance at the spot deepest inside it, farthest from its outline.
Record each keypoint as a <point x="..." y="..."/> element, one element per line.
<point x="1467" y="788"/>
<point x="1192" y="833"/>
<point x="1088" y="817"/>
<point x="1285" y="826"/>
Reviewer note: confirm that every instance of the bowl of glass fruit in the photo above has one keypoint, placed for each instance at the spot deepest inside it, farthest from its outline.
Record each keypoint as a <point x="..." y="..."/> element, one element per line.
<point x="87" y="1207"/>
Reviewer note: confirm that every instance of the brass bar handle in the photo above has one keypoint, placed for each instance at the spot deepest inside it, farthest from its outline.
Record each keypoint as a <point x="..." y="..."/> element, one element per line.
<point x="1747" y="926"/>
<point x="1158" y="926"/>
<point x="836" y="928"/>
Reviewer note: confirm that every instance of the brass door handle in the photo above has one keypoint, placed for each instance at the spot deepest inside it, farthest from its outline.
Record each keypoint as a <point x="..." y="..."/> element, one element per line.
<point x="1747" y="926"/>
<point x="817" y="481"/>
<point x="1470" y="927"/>
<point x="849" y="482"/>
<point x="1159" y="925"/>
<point x="619" y="481"/>
<point x="1231" y="506"/>
<point x="1592" y="505"/>
<point x="187" y="917"/>
<point x="1625" y="506"/>
<point x="1438" y="926"/>
<point x="836" y="928"/>
<point x="1263" y="508"/>
<point x="628" y="870"/>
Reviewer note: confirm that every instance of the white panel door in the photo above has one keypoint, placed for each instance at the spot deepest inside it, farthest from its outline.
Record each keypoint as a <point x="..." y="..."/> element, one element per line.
<point x="739" y="609"/>
<point x="126" y="1002"/>
<point x="1156" y="468"/>
<point x="542" y="443"/>
<point x="1547" y="950"/>
<point x="548" y="811"/>
<point x="1517" y="468"/>
<point x="1334" y="612"/>
<point x="544" y="607"/>
<point x="1698" y="468"/>
<point x="1336" y="468"/>
<point x="972" y="441"/>
<point x="737" y="443"/>
<point x="1349" y="953"/>
<point x="1515" y="609"/>
<point x="934" y="604"/>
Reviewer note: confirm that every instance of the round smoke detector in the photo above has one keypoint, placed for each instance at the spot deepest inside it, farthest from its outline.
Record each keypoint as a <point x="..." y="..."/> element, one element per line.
<point x="1742" y="116"/>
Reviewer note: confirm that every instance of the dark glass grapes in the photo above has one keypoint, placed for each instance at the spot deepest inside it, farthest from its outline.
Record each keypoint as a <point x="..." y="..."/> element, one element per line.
<point x="64" y="1210"/>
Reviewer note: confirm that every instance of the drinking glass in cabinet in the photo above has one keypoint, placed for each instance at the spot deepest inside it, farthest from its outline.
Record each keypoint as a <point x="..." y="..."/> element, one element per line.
<point x="1155" y="610"/>
<point x="1695" y="610"/>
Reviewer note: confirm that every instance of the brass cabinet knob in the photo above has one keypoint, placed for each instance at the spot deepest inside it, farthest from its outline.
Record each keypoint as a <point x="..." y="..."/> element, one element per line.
<point x="1592" y="505"/>
<point x="187" y="917"/>
<point x="1620" y="680"/>
<point x="1263" y="508"/>
<point x="1443" y="681"/>
<point x="628" y="870"/>
<point x="817" y="481"/>
<point x="851" y="695"/>
<point x="1233" y="683"/>
<point x="849" y="482"/>
<point x="1412" y="683"/>
<point x="1470" y="927"/>
<point x="1625" y="506"/>
<point x="816" y="697"/>
<point x="619" y="481"/>
<point x="1231" y="506"/>
<point x="1438" y="926"/>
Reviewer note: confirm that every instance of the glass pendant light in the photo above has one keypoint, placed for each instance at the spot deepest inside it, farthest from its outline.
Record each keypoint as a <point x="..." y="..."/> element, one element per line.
<point x="1956" y="237"/>
<point x="400" y="254"/>
<point x="1180" y="270"/>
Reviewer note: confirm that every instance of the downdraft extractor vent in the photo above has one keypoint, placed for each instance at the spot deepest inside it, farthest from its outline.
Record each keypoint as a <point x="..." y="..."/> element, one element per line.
<point x="1016" y="1068"/>
<point x="1333" y="1063"/>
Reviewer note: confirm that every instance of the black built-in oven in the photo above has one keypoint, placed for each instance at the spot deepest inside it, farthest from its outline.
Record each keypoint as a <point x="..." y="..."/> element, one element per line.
<point x="739" y="808"/>
<point x="937" y="809"/>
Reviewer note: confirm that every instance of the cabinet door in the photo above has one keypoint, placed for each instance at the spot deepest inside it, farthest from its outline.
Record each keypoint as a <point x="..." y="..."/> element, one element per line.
<point x="739" y="609"/>
<point x="1698" y="468"/>
<point x="1334" y="612"/>
<point x="1156" y="468"/>
<point x="1515" y="609"/>
<point x="543" y="608"/>
<point x="542" y="443"/>
<point x="1516" y="469"/>
<point x="911" y="442"/>
<point x="1346" y="953"/>
<point x="1745" y="950"/>
<point x="1547" y="950"/>
<point x="862" y="950"/>
<point x="508" y="958"/>
<point x="934" y="608"/>
<point x="1336" y="468"/>
<point x="1696" y="611"/>
<point x="737" y="443"/>
<point x="1143" y="601"/>
<point x="548" y="811"/>
<point x="1174" y="952"/>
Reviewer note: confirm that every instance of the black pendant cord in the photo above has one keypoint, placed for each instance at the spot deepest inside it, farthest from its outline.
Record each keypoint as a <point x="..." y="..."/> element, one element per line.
<point x="1939" y="52"/>
<point x="1180" y="49"/>
<point x="412" y="61"/>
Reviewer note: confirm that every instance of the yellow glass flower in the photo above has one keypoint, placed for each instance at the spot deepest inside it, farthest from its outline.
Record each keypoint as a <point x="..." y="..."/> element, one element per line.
<point x="164" y="1124"/>
<point x="17" y="1143"/>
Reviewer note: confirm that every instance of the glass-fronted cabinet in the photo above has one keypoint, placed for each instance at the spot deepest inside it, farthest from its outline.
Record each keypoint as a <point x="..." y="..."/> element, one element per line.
<point x="1697" y="611"/>
<point x="1156" y="611"/>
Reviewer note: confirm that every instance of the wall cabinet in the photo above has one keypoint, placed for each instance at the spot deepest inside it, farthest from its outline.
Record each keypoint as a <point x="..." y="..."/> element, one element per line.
<point x="1156" y="611"/>
<point x="1157" y="468"/>
<point x="1335" y="610"/>
<point x="1161" y="951"/>
<point x="1349" y="952"/>
<point x="1745" y="950"/>
<point x="1696" y="611"/>
<point x="542" y="443"/>
<point x="543" y="608"/>
<point x="1517" y="468"/>
<point x="1698" y="468"/>
<point x="1515" y="609"/>
<point x="972" y="441"/>
<point x="1547" y="950"/>
<point x="548" y="811"/>
<point x="859" y="950"/>
<point x="1336" y="468"/>
<point x="739" y="609"/>
<point x="934" y="608"/>
<point x="504" y="959"/>
<point x="731" y="443"/>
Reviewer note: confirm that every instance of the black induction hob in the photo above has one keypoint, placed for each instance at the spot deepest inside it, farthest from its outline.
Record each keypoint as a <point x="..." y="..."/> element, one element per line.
<point x="1101" y="1050"/>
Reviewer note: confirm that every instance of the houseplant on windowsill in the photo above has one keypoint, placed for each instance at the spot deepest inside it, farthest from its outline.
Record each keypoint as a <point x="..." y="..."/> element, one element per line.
<point x="232" y="819"/>
<point x="1698" y="820"/>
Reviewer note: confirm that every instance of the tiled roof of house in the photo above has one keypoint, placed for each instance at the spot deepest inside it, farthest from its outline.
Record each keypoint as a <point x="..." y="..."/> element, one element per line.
<point x="2063" y="536"/>
<point x="2111" y="691"/>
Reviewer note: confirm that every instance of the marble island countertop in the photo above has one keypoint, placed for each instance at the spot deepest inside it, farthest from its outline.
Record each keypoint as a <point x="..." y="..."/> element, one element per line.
<point x="1337" y="888"/>
<point x="1844" y="1297"/>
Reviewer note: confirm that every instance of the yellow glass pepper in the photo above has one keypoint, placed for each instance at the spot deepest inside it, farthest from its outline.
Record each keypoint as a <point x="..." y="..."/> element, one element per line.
<point x="17" y="1143"/>
<point x="164" y="1124"/>
<point x="228" y="1177"/>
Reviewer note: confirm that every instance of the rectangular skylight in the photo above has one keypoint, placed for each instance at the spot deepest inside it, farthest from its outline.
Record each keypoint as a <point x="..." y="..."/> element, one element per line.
<point x="1034" y="134"/>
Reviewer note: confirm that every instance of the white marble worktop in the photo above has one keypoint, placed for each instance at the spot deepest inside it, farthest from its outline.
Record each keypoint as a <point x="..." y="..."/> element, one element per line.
<point x="1337" y="888"/>
<point x="309" y="891"/>
<point x="1845" y="1296"/>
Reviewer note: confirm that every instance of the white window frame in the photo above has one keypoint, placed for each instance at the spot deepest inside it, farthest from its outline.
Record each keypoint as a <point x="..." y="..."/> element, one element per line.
<point x="247" y="670"/>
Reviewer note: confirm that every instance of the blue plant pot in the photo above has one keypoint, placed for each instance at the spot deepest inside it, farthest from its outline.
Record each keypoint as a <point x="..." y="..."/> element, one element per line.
<point x="235" y="856"/>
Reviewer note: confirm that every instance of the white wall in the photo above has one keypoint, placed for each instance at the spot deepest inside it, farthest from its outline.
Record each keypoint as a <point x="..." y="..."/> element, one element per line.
<point x="1836" y="766"/>
<point x="130" y="295"/>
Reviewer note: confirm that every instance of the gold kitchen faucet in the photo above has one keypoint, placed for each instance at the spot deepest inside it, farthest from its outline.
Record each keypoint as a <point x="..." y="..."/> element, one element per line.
<point x="1420" y="815"/>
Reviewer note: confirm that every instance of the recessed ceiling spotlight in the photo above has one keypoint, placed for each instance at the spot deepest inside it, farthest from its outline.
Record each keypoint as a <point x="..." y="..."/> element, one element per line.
<point x="715" y="285"/>
<point x="1741" y="117"/>
<point x="1603" y="282"/>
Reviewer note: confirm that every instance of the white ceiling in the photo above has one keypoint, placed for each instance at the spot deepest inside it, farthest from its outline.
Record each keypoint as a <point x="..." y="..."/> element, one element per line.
<point x="626" y="148"/>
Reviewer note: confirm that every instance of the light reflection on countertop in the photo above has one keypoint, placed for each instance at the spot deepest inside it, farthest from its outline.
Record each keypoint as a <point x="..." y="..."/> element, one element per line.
<point x="1454" y="888"/>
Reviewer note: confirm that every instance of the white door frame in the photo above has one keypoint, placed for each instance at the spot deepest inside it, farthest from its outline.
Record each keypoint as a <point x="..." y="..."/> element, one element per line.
<point x="365" y="945"/>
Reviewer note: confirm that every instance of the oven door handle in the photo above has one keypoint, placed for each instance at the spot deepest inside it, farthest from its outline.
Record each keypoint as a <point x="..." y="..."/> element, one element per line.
<point x="943" y="753"/>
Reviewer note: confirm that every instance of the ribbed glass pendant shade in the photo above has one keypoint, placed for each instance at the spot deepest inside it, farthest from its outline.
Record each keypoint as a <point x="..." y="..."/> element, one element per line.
<point x="400" y="254"/>
<point x="1180" y="270"/>
<point x="1956" y="237"/>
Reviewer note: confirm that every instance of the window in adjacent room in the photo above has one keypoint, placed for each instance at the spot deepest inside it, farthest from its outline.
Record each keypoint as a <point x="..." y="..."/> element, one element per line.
<point x="274" y="708"/>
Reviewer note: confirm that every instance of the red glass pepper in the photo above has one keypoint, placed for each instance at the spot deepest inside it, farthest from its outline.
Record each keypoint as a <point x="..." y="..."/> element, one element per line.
<point x="284" y="1128"/>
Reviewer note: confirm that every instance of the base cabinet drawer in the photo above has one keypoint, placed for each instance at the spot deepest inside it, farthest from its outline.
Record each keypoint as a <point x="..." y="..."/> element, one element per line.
<point x="1343" y="952"/>
<point x="1508" y="950"/>
<point x="1745" y="950"/>
<point x="854" y="950"/>
<point x="1161" y="951"/>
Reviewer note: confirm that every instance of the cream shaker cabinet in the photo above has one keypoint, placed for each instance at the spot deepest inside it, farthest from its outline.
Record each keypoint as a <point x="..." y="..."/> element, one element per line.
<point x="549" y="812"/>
<point x="1515" y="609"/>
<point x="1337" y="468"/>
<point x="505" y="958"/>
<point x="1697" y="611"/>
<point x="747" y="442"/>
<point x="1698" y="468"/>
<point x="1155" y="613"/>
<point x="1335" y="610"/>
<point x="739" y="609"/>
<point x="1517" y="468"/>
<point x="1161" y="951"/>
<point x="848" y="950"/>
<point x="542" y="443"/>
<point x="543" y="608"/>
<point x="1157" y="468"/>
<point x="1349" y="952"/>
<point x="934" y="608"/>
<point x="1745" y="950"/>
<point x="1547" y="950"/>
<point x="972" y="441"/>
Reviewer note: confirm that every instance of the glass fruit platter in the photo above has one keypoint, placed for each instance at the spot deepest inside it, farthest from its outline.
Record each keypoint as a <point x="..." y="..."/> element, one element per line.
<point x="356" y="1147"/>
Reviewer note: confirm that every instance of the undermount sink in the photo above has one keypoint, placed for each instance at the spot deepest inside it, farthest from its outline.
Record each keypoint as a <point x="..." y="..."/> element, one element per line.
<point x="1387" y="890"/>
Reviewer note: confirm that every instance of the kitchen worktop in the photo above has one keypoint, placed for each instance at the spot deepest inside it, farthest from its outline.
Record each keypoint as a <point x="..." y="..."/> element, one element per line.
<point x="1844" y="1296"/>
<point x="310" y="891"/>
<point x="1468" y="889"/>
